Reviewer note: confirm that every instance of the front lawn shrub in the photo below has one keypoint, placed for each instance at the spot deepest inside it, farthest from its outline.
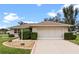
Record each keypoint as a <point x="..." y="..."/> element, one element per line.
<point x="33" y="35"/>
<point x="74" y="36"/>
<point x="26" y="34"/>
<point x="69" y="36"/>
<point x="10" y="40"/>
<point x="11" y="35"/>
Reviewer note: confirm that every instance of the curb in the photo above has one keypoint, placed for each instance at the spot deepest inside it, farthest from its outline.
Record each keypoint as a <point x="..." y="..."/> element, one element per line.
<point x="34" y="47"/>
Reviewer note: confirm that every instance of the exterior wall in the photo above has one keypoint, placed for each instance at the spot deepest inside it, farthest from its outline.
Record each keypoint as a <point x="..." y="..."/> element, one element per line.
<point x="11" y="32"/>
<point x="34" y="29"/>
<point x="50" y="32"/>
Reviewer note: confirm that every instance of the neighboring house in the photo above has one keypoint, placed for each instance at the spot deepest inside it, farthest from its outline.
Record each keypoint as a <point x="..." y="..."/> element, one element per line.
<point x="13" y="31"/>
<point x="3" y="31"/>
<point x="47" y="29"/>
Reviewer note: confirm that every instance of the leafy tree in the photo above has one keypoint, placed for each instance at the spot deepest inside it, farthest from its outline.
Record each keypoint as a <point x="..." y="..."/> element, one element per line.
<point x="57" y="18"/>
<point x="21" y="22"/>
<point x="77" y="26"/>
<point x="45" y="19"/>
<point x="54" y="19"/>
<point x="70" y="14"/>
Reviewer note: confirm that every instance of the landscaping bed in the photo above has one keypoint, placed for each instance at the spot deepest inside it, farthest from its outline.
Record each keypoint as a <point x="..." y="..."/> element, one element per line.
<point x="17" y="43"/>
<point x="9" y="50"/>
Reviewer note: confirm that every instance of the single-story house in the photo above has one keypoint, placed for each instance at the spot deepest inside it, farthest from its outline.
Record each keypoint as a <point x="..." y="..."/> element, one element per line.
<point x="47" y="29"/>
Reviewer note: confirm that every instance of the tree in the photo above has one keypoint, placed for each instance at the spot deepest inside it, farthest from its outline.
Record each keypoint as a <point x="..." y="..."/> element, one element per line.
<point x="70" y="14"/>
<point x="45" y="19"/>
<point x="77" y="26"/>
<point x="54" y="19"/>
<point x="21" y="22"/>
<point x="57" y="18"/>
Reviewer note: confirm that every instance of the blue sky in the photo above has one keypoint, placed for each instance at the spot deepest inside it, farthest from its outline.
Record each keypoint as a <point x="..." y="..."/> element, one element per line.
<point x="11" y="14"/>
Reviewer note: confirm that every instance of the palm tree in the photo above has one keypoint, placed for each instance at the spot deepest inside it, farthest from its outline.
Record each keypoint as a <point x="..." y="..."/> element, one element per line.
<point x="70" y="14"/>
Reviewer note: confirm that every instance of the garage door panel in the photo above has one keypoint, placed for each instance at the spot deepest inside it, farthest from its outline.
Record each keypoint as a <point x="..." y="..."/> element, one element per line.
<point x="49" y="33"/>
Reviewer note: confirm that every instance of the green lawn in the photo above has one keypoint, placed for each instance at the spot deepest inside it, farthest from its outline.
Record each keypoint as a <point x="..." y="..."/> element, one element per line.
<point x="8" y="50"/>
<point x="76" y="41"/>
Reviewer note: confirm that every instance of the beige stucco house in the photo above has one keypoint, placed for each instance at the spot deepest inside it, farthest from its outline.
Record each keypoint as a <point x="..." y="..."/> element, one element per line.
<point x="47" y="29"/>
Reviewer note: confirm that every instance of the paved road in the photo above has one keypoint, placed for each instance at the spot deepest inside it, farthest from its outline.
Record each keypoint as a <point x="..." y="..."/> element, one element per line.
<point x="54" y="46"/>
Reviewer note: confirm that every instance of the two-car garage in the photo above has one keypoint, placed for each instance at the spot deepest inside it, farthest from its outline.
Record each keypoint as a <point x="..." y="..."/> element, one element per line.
<point x="50" y="32"/>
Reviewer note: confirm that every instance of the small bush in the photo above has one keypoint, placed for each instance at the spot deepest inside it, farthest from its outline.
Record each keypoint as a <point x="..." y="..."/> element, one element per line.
<point x="26" y="35"/>
<point x="10" y="40"/>
<point x="33" y="35"/>
<point x="69" y="36"/>
<point x="74" y="36"/>
<point x="11" y="35"/>
<point x="22" y="44"/>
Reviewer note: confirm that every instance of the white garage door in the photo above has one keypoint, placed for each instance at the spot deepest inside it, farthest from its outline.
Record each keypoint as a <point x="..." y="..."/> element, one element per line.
<point x="50" y="33"/>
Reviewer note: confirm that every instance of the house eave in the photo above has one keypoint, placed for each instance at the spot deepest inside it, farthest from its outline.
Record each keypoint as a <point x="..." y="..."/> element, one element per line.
<point x="51" y="25"/>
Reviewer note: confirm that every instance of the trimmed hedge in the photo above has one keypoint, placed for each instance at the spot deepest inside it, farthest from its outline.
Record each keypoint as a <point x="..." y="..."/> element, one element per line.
<point x="34" y="36"/>
<point x="28" y="34"/>
<point x="69" y="36"/>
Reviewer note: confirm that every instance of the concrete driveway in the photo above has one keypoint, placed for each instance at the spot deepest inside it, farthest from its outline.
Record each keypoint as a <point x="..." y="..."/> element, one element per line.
<point x="54" y="46"/>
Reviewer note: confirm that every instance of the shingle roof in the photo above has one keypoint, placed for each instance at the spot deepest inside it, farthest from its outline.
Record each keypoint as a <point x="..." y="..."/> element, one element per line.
<point x="50" y="23"/>
<point x="45" y="23"/>
<point x="22" y="26"/>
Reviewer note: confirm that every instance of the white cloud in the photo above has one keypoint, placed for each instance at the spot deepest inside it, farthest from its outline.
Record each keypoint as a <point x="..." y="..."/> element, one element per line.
<point x="66" y="5"/>
<point x="29" y="22"/>
<point x="52" y="14"/>
<point x="2" y="27"/>
<point x="5" y="21"/>
<point x="5" y="13"/>
<point x="76" y="6"/>
<point x="11" y="17"/>
<point x="60" y="11"/>
<point x="8" y="17"/>
<point x="39" y="5"/>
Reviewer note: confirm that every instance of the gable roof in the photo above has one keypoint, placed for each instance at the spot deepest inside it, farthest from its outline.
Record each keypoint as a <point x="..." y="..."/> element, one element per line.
<point x="45" y="23"/>
<point x="22" y="26"/>
<point x="50" y="23"/>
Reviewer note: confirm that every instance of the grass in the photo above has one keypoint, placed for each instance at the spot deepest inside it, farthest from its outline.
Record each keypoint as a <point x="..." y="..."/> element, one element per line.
<point x="8" y="50"/>
<point x="76" y="41"/>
